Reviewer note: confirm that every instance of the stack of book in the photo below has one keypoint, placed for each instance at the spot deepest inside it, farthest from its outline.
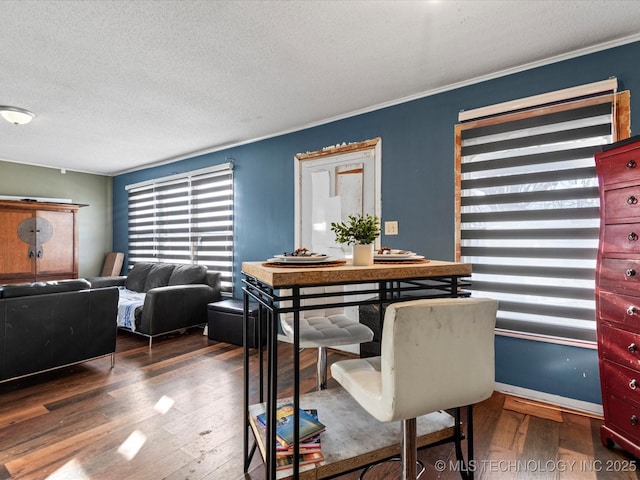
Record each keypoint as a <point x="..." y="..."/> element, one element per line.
<point x="309" y="445"/>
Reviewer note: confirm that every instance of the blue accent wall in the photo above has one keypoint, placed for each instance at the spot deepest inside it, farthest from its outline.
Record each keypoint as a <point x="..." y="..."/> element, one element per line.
<point x="562" y="370"/>
<point x="417" y="191"/>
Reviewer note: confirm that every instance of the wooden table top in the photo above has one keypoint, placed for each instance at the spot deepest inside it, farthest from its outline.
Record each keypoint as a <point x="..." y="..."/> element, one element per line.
<point x="305" y="275"/>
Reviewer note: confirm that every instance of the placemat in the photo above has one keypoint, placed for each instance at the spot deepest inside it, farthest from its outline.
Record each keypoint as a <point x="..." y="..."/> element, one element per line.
<point x="332" y="263"/>
<point x="388" y="262"/>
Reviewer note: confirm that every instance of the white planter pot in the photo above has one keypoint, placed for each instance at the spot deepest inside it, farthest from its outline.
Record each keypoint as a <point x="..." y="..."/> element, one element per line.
<point x="363" y="254"/>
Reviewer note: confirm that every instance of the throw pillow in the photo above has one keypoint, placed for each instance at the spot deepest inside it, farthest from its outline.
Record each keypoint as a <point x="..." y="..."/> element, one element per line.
<point x="137" y="277"/>
<point x="188" y="274"/>
<point x="158" y="276"/>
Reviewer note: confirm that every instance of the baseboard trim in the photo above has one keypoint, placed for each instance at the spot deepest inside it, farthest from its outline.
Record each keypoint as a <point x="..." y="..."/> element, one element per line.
<point x="580" y="406"/>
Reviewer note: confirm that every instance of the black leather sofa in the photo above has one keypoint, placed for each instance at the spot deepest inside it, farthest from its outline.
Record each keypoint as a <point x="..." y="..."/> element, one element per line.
<point x="48" y="325"/>
<point x="176" y="296"/>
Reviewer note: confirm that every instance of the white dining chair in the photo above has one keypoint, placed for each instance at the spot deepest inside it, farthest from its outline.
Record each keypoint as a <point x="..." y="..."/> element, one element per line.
<point x="436" y="354"/>
<point x="324" y="327"/>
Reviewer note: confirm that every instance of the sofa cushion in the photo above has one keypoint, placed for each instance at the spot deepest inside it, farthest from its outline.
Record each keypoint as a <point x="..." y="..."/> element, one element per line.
<point x="138" y="276"/>
<point x="188" y="274"/>
<point x="158" y="276"/>
<point x="43" y="288"/>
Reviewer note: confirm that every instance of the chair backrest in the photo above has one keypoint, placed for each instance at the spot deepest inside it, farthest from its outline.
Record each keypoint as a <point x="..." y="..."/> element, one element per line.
<point x="322" y="311"/>
<point x="437" y="354"/>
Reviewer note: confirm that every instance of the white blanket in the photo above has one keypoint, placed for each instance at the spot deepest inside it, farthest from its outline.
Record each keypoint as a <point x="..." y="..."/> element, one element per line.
<point x="128" y="301"/>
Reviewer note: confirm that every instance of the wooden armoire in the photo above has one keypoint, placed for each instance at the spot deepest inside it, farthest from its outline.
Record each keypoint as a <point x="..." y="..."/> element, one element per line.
<point x="618" y="293"/>
<point x="38" y="241"/>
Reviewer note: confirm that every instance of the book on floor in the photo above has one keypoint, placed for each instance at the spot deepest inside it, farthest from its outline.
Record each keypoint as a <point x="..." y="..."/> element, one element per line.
<point x="310" y="426"/>
<point x="305" y="459"/>
<point x="308" y="445"/>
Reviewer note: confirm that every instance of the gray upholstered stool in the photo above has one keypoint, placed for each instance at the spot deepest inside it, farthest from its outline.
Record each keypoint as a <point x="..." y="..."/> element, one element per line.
<point x="436" y="354"/>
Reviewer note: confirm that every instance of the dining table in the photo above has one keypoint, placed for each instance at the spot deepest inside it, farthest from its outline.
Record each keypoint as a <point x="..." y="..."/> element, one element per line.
<point x="281" y="288"/>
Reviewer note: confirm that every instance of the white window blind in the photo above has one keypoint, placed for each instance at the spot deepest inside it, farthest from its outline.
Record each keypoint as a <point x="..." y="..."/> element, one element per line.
<point x="529" y="215"/>
<point x="185" y="219"/>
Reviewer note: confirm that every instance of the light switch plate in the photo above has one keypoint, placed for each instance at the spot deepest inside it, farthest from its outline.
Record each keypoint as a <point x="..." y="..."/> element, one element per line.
<point x="391" y="228"/>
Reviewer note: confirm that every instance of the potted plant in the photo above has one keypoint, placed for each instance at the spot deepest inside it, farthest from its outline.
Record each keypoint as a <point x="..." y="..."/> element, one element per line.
<point x="360" y="231"/>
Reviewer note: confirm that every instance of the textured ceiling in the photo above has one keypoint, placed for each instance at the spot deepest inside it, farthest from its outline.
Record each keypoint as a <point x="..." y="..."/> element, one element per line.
<point x="117" y="85"/>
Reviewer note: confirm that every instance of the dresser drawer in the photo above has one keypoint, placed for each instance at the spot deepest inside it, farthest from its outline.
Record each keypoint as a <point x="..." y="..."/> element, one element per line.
<point x="619" y="274"/>
<point x="620" y="346"/>
<point x="619" y="167"/>
<point x="618" y="308"/>
<point x="622" y="204"/>
<point x="622" y="238"/>
<point x="622" y="416"/>
<point x="621" y="381"/>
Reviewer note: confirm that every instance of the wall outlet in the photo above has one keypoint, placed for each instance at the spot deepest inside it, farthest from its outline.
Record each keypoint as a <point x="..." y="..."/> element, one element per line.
<point x="391" y="228"/>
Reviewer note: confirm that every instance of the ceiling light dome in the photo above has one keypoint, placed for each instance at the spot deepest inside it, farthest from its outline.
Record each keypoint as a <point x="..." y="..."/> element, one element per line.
<point x="15" y="115"/>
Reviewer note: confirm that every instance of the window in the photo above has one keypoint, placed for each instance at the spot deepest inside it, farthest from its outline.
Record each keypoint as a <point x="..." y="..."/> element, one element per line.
<point x="187" y="219"/>
<point x="528" y="213"/>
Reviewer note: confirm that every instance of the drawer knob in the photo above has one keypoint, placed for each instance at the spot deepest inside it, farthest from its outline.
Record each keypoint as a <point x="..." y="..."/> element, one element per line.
<point x="631" y="310"/>
<point x="632" y="237"/>
<point x="633" y="420"/>
<point x="631" y="164"/>
<point x="632" y="200"/>
<point x="630" y="272"/>
<point x="633" y="384"/>
<point x="632" y="348"/>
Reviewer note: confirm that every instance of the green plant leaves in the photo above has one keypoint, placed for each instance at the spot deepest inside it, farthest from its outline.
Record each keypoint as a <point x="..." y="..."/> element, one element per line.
<point x="362" y="229"/>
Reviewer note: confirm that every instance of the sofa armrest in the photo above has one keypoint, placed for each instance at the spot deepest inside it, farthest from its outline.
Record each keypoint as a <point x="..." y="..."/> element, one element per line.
<point x="174" y="307"/>
<point x="213" y="280"/>
<point x="102" y="321"/>
<point x="101" y="282"/>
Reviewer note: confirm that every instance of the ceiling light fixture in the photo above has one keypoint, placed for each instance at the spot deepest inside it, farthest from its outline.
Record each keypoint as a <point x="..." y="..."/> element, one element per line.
<point x="15" y="115"/>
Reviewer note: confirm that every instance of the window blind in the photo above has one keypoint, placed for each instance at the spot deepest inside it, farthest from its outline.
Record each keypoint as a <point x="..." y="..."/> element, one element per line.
<point x="185" y="219"/>
<point x="529" y="215"/>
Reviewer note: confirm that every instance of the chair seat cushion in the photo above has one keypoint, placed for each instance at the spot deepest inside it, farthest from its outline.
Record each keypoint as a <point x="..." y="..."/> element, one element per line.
<point x="361" y="378"/>
<point x="327" y="331"/>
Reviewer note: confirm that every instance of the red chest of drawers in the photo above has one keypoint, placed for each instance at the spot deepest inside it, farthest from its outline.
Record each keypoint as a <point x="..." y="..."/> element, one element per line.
<point x="618" y="293"/>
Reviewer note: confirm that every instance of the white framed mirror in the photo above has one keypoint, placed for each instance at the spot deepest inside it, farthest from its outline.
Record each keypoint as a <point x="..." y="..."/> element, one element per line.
<point x="331" y="184"/>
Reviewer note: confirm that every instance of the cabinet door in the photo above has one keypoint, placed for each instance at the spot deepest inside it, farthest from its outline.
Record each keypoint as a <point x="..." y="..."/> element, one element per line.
<point x="57" y="255"/>
<point x="14" y="253"/>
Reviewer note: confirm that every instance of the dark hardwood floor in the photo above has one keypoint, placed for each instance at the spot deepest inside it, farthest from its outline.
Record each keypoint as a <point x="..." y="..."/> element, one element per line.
<point x="182" y="400"/>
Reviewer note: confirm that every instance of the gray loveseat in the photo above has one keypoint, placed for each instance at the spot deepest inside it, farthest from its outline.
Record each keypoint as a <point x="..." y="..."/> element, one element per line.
<point x="47" y="325"/>
<point x="160" y="298"/>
